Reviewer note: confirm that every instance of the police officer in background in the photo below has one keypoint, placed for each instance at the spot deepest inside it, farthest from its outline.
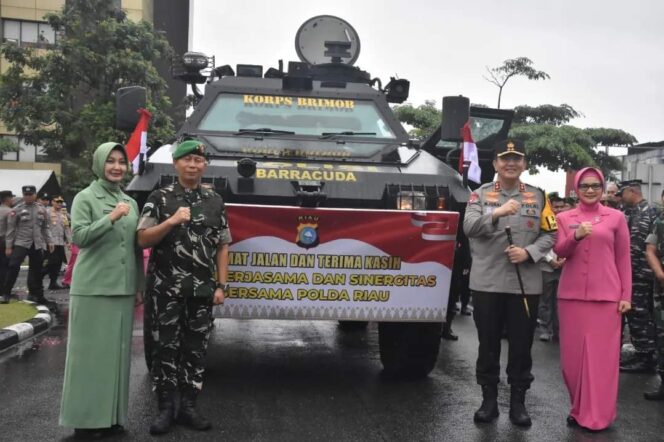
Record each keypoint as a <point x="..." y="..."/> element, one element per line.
<point x="27" y="235"/>
<point x="6" y="198"/>
<point x="640" y="219"/>
<point x="58" y="224"/>
<point x="185" y="224"/>
<point x="494" y="285"/>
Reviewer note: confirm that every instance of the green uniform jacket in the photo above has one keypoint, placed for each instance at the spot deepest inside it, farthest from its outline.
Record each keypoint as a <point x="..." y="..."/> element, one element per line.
<point x="110" y="262"/>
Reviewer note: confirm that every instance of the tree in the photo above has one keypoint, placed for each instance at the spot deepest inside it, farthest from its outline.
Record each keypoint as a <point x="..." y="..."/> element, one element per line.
<point x="63" y="98"/>
<point x="550" y="141"/>
<point x="7" y="145"/>
<point x="521" y="66"/>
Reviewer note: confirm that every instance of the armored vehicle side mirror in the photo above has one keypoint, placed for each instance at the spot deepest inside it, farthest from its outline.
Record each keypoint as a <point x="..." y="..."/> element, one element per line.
<point x="128" y="100"/>
<point x="456" y="111"/>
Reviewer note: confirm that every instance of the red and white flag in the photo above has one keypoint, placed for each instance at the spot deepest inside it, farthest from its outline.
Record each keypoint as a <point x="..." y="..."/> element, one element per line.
<point x="137" y="145"/>
<point x="469" y="153"/>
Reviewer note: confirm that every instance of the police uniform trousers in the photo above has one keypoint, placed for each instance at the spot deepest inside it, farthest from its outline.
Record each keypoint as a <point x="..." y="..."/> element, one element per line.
<point x="181" y="329"/>
<point x="4" y="264"/>
<point x="590" y="359"/>
<point x="55" y="260"/>
<point x="493" y="313"/>
<point x="36" y="258"/>
<point x="639" y="318"/>
<point x="96" y="382"/>
<point x="548" y="306"/>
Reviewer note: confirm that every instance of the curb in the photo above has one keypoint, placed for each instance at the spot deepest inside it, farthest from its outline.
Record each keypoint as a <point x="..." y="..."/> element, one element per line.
<point x="16" y="333"/>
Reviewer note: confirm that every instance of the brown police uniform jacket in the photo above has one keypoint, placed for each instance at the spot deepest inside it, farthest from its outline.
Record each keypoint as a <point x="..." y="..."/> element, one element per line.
<point x="533" y="228"/>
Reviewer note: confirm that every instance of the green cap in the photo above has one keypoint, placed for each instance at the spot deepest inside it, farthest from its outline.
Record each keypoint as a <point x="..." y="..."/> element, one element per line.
<point x="189" y="147"/>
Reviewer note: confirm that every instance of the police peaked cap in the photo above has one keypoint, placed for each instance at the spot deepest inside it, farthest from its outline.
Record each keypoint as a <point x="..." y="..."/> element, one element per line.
<point x="189" y="147"/>
<point x="6" y="194"/>
<point x="28" y="189"/>
<point x="554" y="196"/>
<point x="510" y="146"/>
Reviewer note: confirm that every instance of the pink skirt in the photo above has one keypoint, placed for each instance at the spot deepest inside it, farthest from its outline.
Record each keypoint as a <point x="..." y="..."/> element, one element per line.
<point x="590" y="359"/>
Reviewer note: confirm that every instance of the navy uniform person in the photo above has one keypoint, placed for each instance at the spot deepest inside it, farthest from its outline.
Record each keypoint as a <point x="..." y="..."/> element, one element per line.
<point x="6" y="197"/>
<point x="495" y="289"/>
<point x="655" y="257"/>
<point x="640" y="218"/>
<point x="185" y="224"/>
<point x="27" y="235"/>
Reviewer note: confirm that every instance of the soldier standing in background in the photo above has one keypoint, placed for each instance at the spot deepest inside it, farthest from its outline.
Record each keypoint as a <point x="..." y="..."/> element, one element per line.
<point x="655" y="257"/>
<point x="27" y="235"/>
<point x="551" y="267"/>
<point x="58" y="223"/>
<point x="496" y="291"/>
<point x="6" y="197"/>
<point x="640" y="218"/>
<point x="185" y="224"/>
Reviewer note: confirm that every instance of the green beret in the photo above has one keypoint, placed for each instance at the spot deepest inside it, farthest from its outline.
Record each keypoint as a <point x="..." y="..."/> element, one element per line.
<point x="188" y="147"/>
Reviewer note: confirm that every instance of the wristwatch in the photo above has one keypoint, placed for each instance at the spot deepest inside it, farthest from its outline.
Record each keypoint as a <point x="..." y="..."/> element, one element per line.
<point x="223" y="286"/>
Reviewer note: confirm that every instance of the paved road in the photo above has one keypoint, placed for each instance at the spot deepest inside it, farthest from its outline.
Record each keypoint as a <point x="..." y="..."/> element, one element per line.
<point x="307" y="380"/>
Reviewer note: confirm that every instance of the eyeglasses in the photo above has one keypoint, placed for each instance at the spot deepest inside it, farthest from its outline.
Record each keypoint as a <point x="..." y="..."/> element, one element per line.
<point x="58" y="201"/>
<point x="593" y="186"/>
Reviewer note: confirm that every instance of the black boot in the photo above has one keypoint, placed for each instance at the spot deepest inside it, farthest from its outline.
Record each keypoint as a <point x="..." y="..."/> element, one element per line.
<point x="188" y="415"/>
<point x="488" y="411"/>
<point x="448" y="334"/>
<point x="164" y="420"/>
<point x="656" y="394"/>
<point x="642" y="363"/>
<point x="518" y="413"/>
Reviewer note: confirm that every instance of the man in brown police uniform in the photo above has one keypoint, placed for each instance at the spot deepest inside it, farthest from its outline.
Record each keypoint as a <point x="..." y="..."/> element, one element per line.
<point x="497" y="294"/>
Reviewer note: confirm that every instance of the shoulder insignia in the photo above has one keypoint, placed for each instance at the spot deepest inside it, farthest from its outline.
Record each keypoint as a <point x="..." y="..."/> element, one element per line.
<point x="12" y="213"/>
<point x="496" y="186"/>
<point x="474" y="197"/>
<point x="522" y="187"/>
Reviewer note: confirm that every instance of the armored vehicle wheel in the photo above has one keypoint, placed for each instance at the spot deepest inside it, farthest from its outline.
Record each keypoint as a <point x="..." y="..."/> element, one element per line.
<point x="408" y="350"/>
<point x="148" y="343"/>
<point x="352" y="325"/>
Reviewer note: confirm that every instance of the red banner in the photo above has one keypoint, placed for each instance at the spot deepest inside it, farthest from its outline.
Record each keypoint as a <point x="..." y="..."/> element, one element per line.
<point x="313" y="263"/>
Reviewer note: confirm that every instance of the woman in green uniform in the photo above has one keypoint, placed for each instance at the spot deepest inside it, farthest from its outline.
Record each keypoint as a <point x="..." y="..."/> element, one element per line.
<point x="105" y="286"/>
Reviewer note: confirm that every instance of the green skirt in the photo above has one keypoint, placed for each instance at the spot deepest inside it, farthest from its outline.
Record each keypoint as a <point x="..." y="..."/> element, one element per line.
<point x="96" y="387"/>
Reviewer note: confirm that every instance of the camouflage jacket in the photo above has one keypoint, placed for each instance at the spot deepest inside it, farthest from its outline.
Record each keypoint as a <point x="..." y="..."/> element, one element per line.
<point x="640" y="219"/>
<point x="184" y="262"/>
<point x="656" y="237"/>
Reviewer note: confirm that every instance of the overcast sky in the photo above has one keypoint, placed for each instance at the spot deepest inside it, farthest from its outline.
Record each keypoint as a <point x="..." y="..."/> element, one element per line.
<point x="605" y="58"/>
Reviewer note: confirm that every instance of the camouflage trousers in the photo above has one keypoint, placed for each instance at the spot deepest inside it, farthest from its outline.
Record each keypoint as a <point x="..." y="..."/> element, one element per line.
<point x="639" y="318"/>
<point x="181" y="331"/>
<point x="658" y="314"/>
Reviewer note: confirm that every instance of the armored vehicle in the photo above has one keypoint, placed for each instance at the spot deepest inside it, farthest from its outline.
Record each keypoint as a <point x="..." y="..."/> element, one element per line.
<point x="335" y="213"/>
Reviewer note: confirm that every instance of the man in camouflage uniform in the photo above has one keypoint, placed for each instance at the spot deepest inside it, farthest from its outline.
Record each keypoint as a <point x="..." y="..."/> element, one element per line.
<point x="655" y="257"/>
<point x="27" y="235"/>
<point x="640" y="218"/>
<point x="499" y="300"/>
<point x="185" y="224"/>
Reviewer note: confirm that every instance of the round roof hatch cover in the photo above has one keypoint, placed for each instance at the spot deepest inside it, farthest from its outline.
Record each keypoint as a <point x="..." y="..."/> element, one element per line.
<point x="327" y="39"/>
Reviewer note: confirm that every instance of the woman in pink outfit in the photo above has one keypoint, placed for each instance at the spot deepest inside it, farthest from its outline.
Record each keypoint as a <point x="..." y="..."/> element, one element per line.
<point x="595" y="289"/>
<point x="66" y="280"/>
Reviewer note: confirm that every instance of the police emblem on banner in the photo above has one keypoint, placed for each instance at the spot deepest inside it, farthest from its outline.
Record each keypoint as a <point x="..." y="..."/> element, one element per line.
<point x="307" y="231"/>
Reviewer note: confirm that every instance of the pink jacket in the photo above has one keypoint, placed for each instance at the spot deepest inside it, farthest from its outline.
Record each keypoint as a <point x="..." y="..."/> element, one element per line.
<point x="598" y="267"/>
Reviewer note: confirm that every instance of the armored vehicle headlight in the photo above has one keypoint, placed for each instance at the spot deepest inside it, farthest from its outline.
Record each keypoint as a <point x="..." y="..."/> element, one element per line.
<point x="408" y="200"/>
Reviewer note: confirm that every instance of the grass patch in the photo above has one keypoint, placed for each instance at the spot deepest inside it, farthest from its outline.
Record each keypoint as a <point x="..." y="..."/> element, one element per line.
<point x="15" y="312"/>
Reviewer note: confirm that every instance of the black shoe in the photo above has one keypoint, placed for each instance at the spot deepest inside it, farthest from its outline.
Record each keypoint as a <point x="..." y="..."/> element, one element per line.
<point x="639" y="365"/>
<point x="571" y="422"/>
<point x="91" y="433"/>
<point x="162" y="423"/>
<point x="488" y="411"/>
<point x="518" y="413"/>
<point x="55" y="286"/>
<point x="189" y="416"/>
<point x="656" y="394"/>
<point x="449" y="335"/>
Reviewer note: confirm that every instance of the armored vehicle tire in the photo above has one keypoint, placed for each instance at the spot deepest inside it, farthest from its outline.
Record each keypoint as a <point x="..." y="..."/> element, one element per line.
<point x="410" y="349"/>
<point x="352" y="325"/>
<point x="148" y="343"/>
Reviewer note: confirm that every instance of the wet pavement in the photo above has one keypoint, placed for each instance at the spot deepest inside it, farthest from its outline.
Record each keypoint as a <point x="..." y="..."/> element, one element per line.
<point x="308" y="380"/>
